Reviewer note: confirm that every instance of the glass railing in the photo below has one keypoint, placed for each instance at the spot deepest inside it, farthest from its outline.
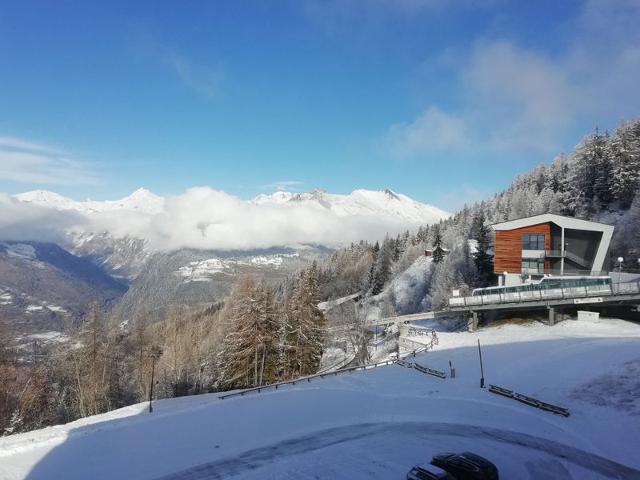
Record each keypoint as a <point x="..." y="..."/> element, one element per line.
<point x="536" y="294"/>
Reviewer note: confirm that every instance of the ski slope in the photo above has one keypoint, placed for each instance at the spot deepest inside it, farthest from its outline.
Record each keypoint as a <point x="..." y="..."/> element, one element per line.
<point x="378" y="423"/>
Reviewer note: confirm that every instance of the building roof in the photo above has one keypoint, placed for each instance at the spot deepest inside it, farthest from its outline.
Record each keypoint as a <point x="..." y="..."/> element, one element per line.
<point x="561" y="221"/>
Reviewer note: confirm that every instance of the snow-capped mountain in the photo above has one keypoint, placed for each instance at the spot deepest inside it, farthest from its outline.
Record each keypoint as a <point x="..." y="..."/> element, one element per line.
<point x="121" y="235"/>
<point x="362" y="203"/>
<point x="142" y="200"/>
<point x="359" y="202"/>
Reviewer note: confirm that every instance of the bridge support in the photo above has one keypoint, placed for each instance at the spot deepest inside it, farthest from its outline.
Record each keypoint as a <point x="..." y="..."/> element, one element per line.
<point x="472" y="323"/>
<point x="552" y="316"/>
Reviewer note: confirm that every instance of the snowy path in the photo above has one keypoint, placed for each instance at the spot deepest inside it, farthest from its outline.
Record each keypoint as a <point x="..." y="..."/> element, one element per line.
<point x="257" y="458"/>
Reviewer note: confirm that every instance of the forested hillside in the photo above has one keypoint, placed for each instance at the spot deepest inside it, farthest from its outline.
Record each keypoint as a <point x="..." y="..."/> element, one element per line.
<point x="599" y="180"/>
<point x="265" y="333"/>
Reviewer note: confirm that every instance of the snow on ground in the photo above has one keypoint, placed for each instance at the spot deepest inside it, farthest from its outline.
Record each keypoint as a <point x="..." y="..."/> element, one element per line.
<point x="264" y="260"/>
<point x="6" y="298"/>
<point x="202" y="271"/>
<point x="378" y="423"/>
<point x="33" y="308"/>
<point x="56" y="308"/>
<point x="409" y="287"/>
<point x="20" y="250"/>
<point x="51" y="336"/>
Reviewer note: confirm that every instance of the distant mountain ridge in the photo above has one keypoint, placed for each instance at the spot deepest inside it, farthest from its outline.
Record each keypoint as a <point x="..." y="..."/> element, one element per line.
<point x="359" y="202"/>
<point x="114" y="237"/>
<point x="142" y="200"/>
<point x="122" y="253"/>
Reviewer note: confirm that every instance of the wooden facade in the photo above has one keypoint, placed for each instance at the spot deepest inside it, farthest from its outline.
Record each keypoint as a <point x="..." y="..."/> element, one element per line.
<point x="508" y="247"/>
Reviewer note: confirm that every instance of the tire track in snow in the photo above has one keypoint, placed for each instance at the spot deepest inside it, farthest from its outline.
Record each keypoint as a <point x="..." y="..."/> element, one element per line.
<point x="259" y="457"/>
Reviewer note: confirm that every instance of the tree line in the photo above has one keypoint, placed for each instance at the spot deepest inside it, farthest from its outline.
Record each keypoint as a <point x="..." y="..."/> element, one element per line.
<point x="261" y="334"/>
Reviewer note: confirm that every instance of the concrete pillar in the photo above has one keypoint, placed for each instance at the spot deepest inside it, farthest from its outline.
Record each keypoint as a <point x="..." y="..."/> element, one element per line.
<point x="472" y="324"/>
<point x="552" y="316"/>
<point x="562" y="253"/>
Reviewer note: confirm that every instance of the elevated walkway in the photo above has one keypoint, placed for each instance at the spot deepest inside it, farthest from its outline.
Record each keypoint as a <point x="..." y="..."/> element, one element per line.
<point x="623" y="293"/>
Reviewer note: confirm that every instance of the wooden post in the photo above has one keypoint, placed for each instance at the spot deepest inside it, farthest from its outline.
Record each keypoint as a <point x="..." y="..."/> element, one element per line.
<point x="153" y="366"/>
<point x="155" y="354"/>
<point x="481" y="367"/>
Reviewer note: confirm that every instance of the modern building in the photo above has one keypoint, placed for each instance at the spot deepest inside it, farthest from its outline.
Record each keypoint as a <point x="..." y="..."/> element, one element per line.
<point x="549" y="244"/>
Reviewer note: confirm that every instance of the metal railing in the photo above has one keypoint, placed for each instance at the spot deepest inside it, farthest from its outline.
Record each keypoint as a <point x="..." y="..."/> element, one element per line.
<point x="275" y="386"/>
<point x="537" y="295"/>
<point x="576" y="259"/>
<point x="568" y="255"/>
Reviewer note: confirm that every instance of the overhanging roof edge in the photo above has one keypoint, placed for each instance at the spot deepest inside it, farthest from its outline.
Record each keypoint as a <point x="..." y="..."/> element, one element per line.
<point x="561" y="221"/>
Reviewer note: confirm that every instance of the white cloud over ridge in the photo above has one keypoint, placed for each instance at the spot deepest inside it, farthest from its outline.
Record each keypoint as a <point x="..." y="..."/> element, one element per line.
<point x="208" y="219"/>
<point x="21" y="221"/>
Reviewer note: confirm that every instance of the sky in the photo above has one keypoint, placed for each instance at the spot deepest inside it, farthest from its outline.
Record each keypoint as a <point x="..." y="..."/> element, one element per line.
<point x="445" y="101"/>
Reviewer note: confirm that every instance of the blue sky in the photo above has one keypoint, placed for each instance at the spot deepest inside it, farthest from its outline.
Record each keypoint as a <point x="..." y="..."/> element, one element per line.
<point x="445" y="101"/>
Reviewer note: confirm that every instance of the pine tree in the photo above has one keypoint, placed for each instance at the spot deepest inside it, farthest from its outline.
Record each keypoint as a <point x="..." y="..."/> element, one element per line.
<point x="423" y="234"/>
<point x="382" y="267"/>
<point x="624" y="150"/>
<point x="602" y="186"/>
<point x="250" y="352"/>
<point x="307" y="326"/>
<point x="372" y="270"/>
<point x="587" y="160"/>
<point x="438" y="251"/>
<point x="482" y="258"/>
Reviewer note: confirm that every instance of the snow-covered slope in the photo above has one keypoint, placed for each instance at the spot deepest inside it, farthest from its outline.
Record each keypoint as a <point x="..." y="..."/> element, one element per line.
<point x="378" y="423"/>
<point x="361" y="202"/>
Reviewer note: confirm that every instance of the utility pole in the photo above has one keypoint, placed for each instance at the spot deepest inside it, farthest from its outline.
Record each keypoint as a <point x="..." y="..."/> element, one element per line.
<point x="155" y="354"/>
<point x="481" y="368"/>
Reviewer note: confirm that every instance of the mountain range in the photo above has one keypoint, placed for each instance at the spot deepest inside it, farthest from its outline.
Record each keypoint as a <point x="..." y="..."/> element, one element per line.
<point x="360" y="202"/>
<point x="113" y="254"/>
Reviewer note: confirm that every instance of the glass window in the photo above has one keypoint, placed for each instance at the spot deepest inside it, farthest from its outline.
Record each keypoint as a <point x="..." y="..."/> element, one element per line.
<point x="532" y="265"/>
<point x="533" y="241"/>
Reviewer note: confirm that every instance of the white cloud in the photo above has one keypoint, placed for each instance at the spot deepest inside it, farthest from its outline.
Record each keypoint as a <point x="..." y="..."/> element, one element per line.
<point x="200" y="76"/>
<point x="204" y="218"/>
<point x="205" y="80"/>
<point x="27" y="162"/>
<point x="514" y="98"/>
<point x="284" y="185"/>
<point x="23" y="221"/>
<point x="433" y="131"/>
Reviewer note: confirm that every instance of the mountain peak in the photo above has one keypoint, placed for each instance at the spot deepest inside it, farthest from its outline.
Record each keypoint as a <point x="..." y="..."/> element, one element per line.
<point x="391" y="193"/>
<point x="46" y="198"/>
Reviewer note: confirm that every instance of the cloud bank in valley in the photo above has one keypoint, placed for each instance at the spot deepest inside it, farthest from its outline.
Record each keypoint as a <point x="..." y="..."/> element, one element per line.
<point x="203" y="218"/>
<point x="22" y="221"/>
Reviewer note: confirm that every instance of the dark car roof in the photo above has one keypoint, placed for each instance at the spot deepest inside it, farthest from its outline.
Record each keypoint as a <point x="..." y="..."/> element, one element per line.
<point x="477" y="459"/>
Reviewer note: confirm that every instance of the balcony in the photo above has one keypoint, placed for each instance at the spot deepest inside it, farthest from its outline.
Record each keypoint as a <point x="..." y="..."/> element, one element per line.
<point x="532" y="271"/>
<point x="555" y="254"/>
